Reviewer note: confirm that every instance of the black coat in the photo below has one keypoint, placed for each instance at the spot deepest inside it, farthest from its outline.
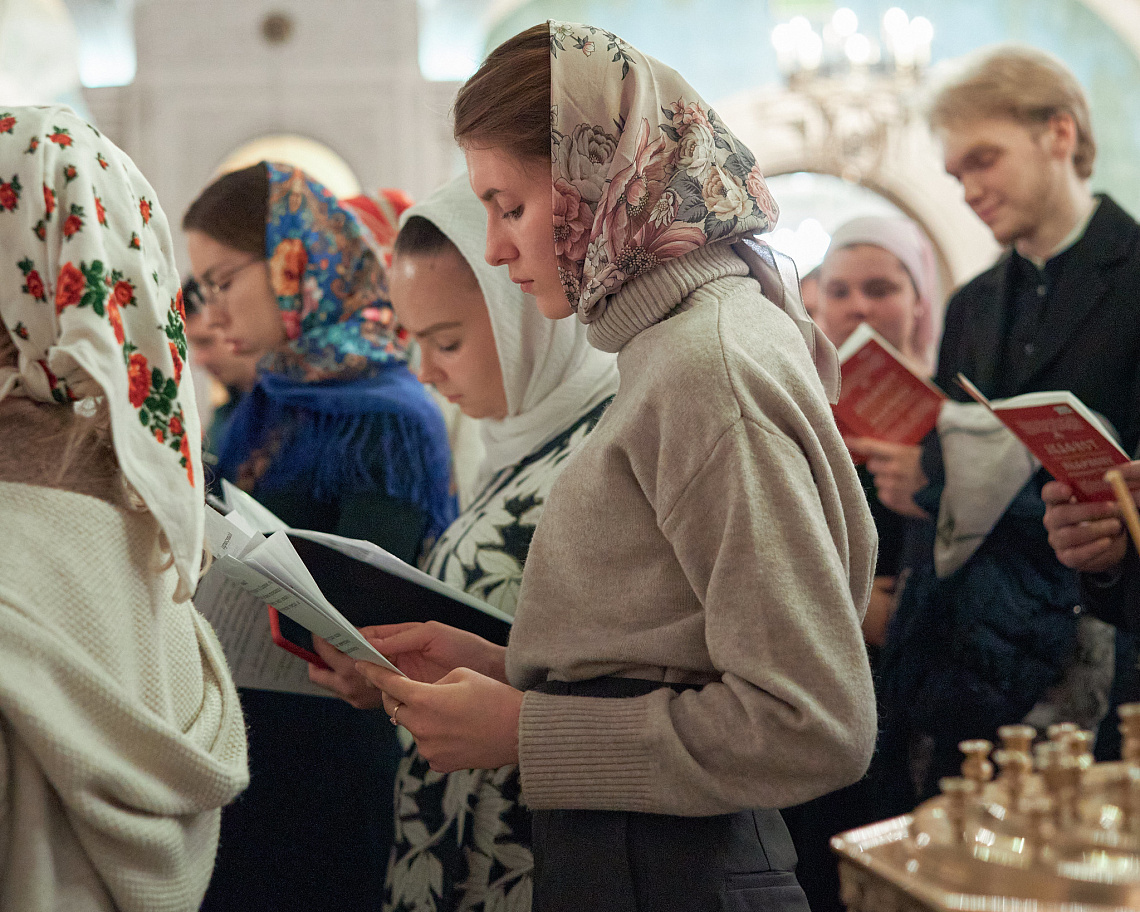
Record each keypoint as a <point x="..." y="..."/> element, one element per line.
<point x="1093" y="346"/>
<point x="1118" y="601"/>
<point x="979" y="648"/>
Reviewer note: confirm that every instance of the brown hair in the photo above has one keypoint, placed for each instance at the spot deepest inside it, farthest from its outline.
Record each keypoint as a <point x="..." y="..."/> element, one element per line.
<point x="232" y="210"/>
<point x="50" y="445"/>
<point x="421" y="237"/>
<point x="1021" y="84"/>
<point x="506" y="104"/>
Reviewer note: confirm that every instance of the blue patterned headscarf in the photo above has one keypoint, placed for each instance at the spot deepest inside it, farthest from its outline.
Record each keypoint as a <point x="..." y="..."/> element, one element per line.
<point x="329" y="285"/>
<point x="336" y="411"/>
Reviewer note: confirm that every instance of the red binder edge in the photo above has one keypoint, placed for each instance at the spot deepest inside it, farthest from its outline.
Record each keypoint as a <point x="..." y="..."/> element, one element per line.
<point x="288" y="645"/>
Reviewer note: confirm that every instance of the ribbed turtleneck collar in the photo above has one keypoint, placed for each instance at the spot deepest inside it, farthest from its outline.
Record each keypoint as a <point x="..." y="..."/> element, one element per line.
<point x="653" y="296"/>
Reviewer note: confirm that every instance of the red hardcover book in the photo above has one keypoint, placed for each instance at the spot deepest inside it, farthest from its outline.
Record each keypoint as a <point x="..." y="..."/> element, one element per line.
<point x="882" y="395"/>
<point x="1064" y="435"/>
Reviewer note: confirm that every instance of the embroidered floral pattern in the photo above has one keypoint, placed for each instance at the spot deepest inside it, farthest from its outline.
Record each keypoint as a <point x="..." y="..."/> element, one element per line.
<point x="73" y="224"/>
<point x="156" y="397"/>
<point x="70" y="286"/>
<point x="10" y="194"/>
<point x="33" y="282"/>
<point x="61" y="136"/>
<point x="7" y="122"/>
<point x="60" y="392"/>
<point x="638" y="181"/>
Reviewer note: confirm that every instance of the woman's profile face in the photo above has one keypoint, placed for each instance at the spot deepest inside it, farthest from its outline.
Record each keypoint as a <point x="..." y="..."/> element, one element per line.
<point x="865" y="283"/>
<point x="436" y="298"/>
<point x="520" y="223"/>
<point x="236" y="286"/>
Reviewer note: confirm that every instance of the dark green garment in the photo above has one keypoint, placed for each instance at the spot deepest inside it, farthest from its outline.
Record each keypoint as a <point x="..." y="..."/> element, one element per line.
<point x="314" y="827"/>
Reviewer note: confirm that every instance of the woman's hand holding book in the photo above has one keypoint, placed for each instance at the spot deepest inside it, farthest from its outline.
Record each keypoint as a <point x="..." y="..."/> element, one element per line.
<point x="465" y="720"/>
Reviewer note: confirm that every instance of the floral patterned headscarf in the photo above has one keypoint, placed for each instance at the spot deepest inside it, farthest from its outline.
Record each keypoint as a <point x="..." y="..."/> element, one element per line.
<point x="643" y="168"/>
<point x="379" y="216"/>
<point x="329" y="283"/>
<point x="89" y="293"/>
<point x="645" y="171"/>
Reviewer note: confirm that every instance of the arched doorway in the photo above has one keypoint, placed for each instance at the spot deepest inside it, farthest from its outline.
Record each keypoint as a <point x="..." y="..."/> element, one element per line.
<point x="314" y="158"/>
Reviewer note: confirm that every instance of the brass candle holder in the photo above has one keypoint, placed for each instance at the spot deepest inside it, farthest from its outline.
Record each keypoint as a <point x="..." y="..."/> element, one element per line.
<point x="1059" y="833"/>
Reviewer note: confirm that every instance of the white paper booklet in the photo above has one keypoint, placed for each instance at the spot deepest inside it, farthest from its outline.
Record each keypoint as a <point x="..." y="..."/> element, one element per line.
<point x="259" y="562"/>
<point x="242" y="625"/>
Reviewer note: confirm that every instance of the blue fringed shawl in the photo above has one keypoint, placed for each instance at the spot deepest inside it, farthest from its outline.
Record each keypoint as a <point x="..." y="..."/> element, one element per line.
<point x="378" y="434"/>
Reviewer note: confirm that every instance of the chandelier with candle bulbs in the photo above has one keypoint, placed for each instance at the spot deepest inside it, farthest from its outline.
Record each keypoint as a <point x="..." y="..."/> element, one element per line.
<point x="861" y="88"/>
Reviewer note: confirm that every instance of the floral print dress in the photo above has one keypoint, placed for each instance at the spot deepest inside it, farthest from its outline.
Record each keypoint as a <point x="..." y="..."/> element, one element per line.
<point x="463" y="839"/>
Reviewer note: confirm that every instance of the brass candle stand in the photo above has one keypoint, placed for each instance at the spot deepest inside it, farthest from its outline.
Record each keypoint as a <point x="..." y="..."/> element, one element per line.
<point x="1054" y="831"/>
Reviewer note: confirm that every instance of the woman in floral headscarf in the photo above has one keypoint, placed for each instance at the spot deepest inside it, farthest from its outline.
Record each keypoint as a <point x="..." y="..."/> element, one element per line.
<point x="686" y="654"/>
<point x="338" y="436"/>
<point x="120" y="730"/>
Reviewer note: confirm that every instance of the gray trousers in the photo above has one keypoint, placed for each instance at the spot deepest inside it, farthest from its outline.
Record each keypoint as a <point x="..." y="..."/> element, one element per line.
<point x="618" y="861"/>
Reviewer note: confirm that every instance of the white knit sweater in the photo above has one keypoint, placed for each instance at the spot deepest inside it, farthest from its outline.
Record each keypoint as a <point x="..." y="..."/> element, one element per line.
<point x="121" y="735"/>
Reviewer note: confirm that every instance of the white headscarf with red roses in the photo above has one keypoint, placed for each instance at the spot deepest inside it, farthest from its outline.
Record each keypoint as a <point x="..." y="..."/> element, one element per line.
<point x="644" y="171"/>
<point x="89" y="293"/>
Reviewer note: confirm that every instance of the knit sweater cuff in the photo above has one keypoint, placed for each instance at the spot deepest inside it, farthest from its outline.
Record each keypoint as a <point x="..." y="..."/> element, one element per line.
<point x="585" y="753"/>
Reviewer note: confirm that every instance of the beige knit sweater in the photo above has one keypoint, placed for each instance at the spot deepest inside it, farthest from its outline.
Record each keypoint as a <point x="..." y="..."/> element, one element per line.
<point x="121" y="735"/>
<point x="710" y="530"/>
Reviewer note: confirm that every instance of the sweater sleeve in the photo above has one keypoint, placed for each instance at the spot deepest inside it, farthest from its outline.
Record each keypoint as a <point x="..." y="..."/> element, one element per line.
<point x="792" y="715"/>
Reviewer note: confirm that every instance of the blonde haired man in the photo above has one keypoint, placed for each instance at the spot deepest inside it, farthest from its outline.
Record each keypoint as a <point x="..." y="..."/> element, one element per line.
<point x="1002" y="635"/>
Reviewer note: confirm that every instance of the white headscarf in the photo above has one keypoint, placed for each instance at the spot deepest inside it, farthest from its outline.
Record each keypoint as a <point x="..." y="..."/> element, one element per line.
<point x="551" y="373"/>
<point x="90" y="295"/>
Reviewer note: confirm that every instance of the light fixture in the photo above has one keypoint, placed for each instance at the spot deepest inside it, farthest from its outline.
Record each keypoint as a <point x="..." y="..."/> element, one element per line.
<point x="861" y="86"/>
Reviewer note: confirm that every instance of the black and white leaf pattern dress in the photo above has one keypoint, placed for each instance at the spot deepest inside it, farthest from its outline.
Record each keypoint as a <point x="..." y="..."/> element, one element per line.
<point x="463" y="839"/>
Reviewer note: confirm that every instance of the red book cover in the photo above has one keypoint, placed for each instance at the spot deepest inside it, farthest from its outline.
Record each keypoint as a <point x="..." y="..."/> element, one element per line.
<point x="1064" y="435"/>
<point x="287" y="644"/>
<point x="882" y="396"/>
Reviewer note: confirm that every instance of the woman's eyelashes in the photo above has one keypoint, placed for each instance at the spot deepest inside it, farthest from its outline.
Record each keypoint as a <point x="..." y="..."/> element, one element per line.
<point x="513" y="213"/>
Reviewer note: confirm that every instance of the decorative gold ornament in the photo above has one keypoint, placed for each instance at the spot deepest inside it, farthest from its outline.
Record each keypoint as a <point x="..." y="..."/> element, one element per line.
<point x="1062" y="838"/>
